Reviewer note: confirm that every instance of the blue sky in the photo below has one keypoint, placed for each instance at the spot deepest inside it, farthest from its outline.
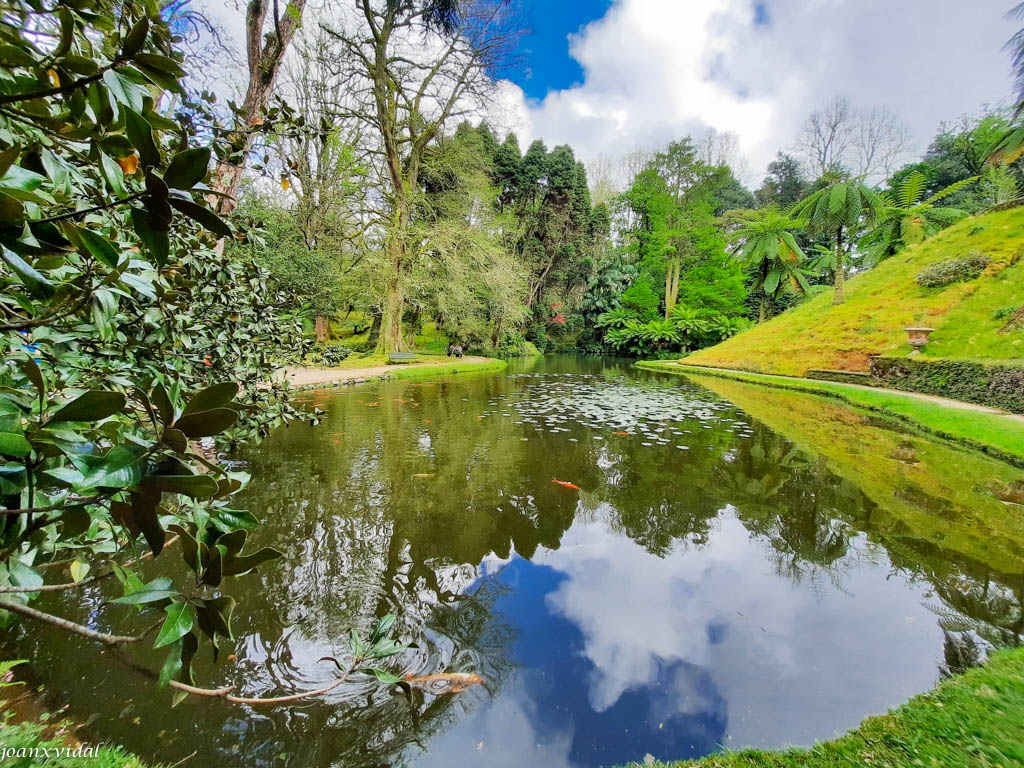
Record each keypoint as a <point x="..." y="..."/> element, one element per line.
<point x="547" y="64"/>
<point x="650" y="71"/>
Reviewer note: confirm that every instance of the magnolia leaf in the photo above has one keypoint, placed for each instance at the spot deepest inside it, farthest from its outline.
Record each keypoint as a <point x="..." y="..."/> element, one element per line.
<point x="140" y="133"/>
<point x="177" y="624"/>
<point x="187" y="168"/>
<point x="239" y="565"/>
<point x="14" y="445"/>
<point x="94" y="405"/>
<point x="207" y="423"/>
<point x="193" y="486"/>
<point x="34" y="282"/>
<point x="144" y="512"/>
<point x="217" y="396"/>
<point x="172" y="665"/>
<point x="135" y="39"/>
<point x="202" y="215"/>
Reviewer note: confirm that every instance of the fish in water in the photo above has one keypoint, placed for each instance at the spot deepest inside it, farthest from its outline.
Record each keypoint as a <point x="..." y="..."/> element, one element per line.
<point x="566" y="484"/>
<point x="620" y="434"/>
<point x="445" y="682"/>
<point x="424" y="474"/>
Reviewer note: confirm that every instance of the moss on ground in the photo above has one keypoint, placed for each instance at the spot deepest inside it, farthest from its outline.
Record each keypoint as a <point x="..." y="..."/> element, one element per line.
<point x="995" y="434"/>
<point x="975" y="720"/>
<point x="881" y="302"/>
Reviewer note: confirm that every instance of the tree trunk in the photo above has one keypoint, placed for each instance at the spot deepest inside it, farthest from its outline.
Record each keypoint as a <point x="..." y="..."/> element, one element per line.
<point x="391" y="317"/>
<point x="672" y="286"/>
<point x="265" y="54"/>
<point x="414" y="328"/>
<point x="839" y="277"/>
<point x="765" y="301"/>
<point x="374" y="335"/>
<point x="323" y="329"/>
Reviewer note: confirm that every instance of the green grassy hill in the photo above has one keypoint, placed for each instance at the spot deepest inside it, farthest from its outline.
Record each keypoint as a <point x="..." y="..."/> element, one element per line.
<point x="883" y="301"/>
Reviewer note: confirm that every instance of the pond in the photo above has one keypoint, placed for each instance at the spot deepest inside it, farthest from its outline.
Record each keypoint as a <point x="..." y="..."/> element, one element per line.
<point x="738" y="567"/>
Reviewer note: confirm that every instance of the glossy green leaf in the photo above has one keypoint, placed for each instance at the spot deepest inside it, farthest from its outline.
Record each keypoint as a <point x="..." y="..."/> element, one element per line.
<point x="34" y="282"/>
<point x="16" y="178"/>
<point x="177" y="624"/>
<point x="97" y="246"/>
<point x="217" y="396"/>
<point x="187" y="168"/>
<point x="239" y="565"/>
<point x="15" y="56"/>
<point x="193" y="486"/>
<point x="217" y="613"/>
<point x="140" y="133"/>
<point x="7" y="158"/>
<point x="202" y="215"/>
<point x="172" y="664"/>
<point x="162" y="402"/>
<point x="382" y="628"/>
<point x="156" y="590"/>
<point x="144" y="512"/>
<point x="94" y="405"/>
<point x="152" y="234"/>
<point x="163" y="64"/>
<point x="135" y="39"/>
<point x="207" y="423"/>
<point x="14" y="445"/>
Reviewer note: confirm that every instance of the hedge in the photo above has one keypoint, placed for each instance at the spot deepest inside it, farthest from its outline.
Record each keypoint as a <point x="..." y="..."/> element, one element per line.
<point x="995" y="384"/>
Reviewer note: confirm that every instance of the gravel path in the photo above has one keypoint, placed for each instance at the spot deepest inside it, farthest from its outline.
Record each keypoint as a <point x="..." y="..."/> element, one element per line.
<point x="305" y="377"/>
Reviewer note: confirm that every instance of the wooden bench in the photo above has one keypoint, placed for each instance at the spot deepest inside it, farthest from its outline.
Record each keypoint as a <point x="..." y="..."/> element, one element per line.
<point x="400" y="357"/>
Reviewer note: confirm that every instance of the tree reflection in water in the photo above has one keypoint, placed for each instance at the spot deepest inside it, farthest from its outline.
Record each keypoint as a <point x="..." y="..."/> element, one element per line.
<point x="724" y="565"/>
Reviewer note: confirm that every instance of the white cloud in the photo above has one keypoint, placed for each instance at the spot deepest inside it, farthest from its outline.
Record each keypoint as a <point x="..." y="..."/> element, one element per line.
<point x="655" y="70"/>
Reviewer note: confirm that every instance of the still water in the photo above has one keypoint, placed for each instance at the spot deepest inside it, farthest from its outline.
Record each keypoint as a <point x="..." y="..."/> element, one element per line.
<point x="738" y="567"/>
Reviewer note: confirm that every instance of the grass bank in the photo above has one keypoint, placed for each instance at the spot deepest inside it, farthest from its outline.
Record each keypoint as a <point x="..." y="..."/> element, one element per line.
<point x="969" y="318"/>
<point x="423" y="368"/>
<point x="411" y="373"/>
<point x="971" y="721"/>
<point x="998" y="435"/>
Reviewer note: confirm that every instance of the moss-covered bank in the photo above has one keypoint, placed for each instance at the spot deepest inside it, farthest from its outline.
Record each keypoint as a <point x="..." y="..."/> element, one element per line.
<point x="998" y="435"/>
<point x="975" y="720"/>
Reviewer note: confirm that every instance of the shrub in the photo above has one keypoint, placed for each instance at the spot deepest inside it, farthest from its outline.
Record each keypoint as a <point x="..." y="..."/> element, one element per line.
<point x="998" y="385"/>
<point x="951" y="271"/>
<point x="331" y="355"/>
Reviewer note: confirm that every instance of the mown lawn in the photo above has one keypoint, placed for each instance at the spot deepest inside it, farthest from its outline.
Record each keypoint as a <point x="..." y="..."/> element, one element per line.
<point x="972" y="721"/>
<point x="881" y="302"/>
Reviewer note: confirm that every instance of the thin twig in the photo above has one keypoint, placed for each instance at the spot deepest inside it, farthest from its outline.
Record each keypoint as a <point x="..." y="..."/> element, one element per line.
<point x="69" y="626"/>
<point x="83" y="582"/>
<point x="69" y="501"/>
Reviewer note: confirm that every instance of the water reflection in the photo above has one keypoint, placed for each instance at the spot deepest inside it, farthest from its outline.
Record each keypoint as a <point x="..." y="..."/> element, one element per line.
<point x="739" y="567"/>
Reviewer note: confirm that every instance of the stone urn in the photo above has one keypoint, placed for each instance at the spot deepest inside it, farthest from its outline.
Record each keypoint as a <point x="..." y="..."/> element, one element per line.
<point x="918" y="337"/>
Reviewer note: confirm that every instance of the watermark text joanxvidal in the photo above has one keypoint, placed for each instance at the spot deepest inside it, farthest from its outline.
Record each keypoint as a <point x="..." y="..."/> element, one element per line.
<point x="80" y="751"/>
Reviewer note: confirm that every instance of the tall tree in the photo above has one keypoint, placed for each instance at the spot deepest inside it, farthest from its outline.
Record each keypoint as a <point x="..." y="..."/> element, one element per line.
<point x="265" y="51"/>
<point x="907" y="217"/>
<point x="765" y="242"/>
<point x="784" y="183"/>
<point x="419" y="66"/>
<point x="839" y="211"/>
<point x="869" y="143"/>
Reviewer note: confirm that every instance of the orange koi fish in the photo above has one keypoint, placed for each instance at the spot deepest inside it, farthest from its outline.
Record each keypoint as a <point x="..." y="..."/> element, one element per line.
<point x="566" y="484"/>
<point x="620" y="434"/>
<point x="444" y="683"/>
